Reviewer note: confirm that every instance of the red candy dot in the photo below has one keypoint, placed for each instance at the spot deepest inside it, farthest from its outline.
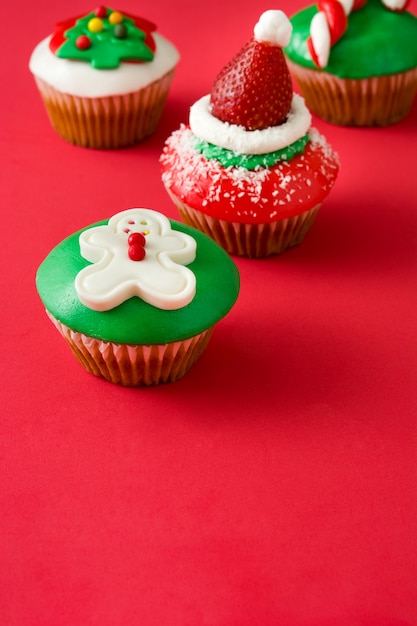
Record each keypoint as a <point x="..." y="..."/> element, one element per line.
<point x="136" y="238"/>
<point x="101" y="11"/>
<point x="83" y="42"/>
<point x="136" y="252"/>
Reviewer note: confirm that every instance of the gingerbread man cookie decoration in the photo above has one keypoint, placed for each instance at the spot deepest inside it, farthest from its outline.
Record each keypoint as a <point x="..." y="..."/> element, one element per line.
<point x="136" y="254"/>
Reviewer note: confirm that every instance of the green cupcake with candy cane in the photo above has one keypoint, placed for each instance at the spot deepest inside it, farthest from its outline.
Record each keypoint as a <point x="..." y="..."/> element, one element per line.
<point x="355" y="61"/>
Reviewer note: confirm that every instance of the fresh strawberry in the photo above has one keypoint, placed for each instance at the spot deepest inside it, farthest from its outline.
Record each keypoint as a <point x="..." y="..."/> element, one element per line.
<point x="254" y="90"/>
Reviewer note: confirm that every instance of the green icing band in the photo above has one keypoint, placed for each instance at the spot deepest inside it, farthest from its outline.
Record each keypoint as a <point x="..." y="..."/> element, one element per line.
<point x="377" y="42"/>
<point x="135" y="321"/>
<point x="229" y="158"/>
<point x="106" y="50"/>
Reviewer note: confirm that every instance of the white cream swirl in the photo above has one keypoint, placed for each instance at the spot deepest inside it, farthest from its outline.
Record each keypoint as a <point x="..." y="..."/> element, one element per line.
<point x="78" y="78"/>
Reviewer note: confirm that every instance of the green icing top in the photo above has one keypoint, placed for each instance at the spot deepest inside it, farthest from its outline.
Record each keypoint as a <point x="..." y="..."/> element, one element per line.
<point x="377" y="42"/>
<point x="229" y="158"/>
<point x="134" y="321"/>
<point x="104" y="38"/>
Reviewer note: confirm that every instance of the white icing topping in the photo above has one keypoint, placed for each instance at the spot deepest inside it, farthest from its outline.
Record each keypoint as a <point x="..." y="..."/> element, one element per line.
<point x="320" y="36"/>
<point x="273" y="27"/>
<point x="232" y="137"/>
<point x="159" y="279"/>
<point x="78" y="78"/>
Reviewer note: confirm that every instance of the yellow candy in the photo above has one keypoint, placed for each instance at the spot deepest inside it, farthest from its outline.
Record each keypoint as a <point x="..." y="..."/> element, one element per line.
<point x="95" y="25"/>
<point x="115" y="17"/>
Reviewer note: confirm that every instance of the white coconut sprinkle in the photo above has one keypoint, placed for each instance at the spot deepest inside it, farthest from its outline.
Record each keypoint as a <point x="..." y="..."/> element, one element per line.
<point x="188" y="174"/>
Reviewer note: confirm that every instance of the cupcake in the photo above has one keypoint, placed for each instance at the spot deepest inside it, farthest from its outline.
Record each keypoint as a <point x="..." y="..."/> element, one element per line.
<point x="248" y="169"/>
<point x="137" y="296"/>
<point x="355" y="61"/>
<point x="104" y="78"/>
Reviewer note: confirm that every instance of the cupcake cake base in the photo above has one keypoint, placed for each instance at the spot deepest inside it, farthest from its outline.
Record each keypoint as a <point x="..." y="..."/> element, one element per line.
<point x="374" y="101"/>
<point x="107" y="122"/>
<point x="135" y="366"/>
<point x="251" y="240"/>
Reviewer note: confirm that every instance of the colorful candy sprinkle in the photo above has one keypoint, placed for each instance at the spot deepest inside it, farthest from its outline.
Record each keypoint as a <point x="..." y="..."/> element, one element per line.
<point x="101" y="11"/>
<point x="136" y="252"/>
<point x="115" y="17"/>
<point x="138" y="238"/>
<point x="95" y="25"/>
<point x="136" y="243"/>
<point x="83" y="42"/>
<point x="120" y="31"/>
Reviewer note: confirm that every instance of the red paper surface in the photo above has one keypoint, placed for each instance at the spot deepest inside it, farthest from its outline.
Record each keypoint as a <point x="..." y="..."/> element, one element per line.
<point x="275" y="485"/>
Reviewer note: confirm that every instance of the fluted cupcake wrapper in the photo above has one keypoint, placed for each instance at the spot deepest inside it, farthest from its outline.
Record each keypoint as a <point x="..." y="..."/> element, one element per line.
<point x="106" y="122"/>
<point x="251" y="240"/>
<point x="131" y="365"/>
<point x="375" y="101"/>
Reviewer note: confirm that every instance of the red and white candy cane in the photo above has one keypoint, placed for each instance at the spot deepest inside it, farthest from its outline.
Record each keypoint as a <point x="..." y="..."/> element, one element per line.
<point x="330" y="23"/>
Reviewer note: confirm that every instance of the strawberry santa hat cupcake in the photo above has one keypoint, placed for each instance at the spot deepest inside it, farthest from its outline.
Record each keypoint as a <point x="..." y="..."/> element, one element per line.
<point x="248" y="169"/>
<point x="355" y="61"/>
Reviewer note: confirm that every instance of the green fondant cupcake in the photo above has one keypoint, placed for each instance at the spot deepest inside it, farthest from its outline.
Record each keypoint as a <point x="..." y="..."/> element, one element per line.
<point x="104" y="78"/>
<point x="355" y="61"/>
<point x="137" y="296"/>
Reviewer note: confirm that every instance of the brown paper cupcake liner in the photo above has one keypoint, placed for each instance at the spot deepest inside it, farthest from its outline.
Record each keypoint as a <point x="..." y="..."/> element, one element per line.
<point x="251" y="240"/>
<point x="132" y="365"/>
<point x="375" y="101"/>
<point x="107" y="122"/>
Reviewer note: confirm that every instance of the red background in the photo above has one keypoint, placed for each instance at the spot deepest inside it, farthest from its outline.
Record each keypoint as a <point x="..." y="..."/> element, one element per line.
<point x="275" y="485"/>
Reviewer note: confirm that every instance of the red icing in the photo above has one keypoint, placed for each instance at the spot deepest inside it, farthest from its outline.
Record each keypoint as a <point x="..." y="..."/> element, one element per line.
<point x="58" y="36"/>
<point x="233" y="194"/>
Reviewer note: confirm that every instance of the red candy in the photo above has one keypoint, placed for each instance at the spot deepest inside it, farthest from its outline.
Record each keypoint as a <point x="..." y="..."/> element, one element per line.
<point x="136" y="243"/>
<point x="101" y="11"/>
<point x="136" y="238"/>
<point x="83" y="42"/>
<point x="136" y="252"/>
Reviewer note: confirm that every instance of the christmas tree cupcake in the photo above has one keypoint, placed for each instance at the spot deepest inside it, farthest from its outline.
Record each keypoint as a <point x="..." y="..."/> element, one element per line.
<point x="248" y="169"/>
<point x="137" y="296"/>
<point x="104" y="78"/>
<point x="355" y="61"/>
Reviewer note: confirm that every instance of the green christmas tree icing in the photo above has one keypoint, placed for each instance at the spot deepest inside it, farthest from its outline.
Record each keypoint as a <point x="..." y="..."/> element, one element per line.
<point x="103" y="42"/>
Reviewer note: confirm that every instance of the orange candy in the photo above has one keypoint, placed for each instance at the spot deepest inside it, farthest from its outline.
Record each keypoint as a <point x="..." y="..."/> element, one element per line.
<point x="115" y="17"/>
